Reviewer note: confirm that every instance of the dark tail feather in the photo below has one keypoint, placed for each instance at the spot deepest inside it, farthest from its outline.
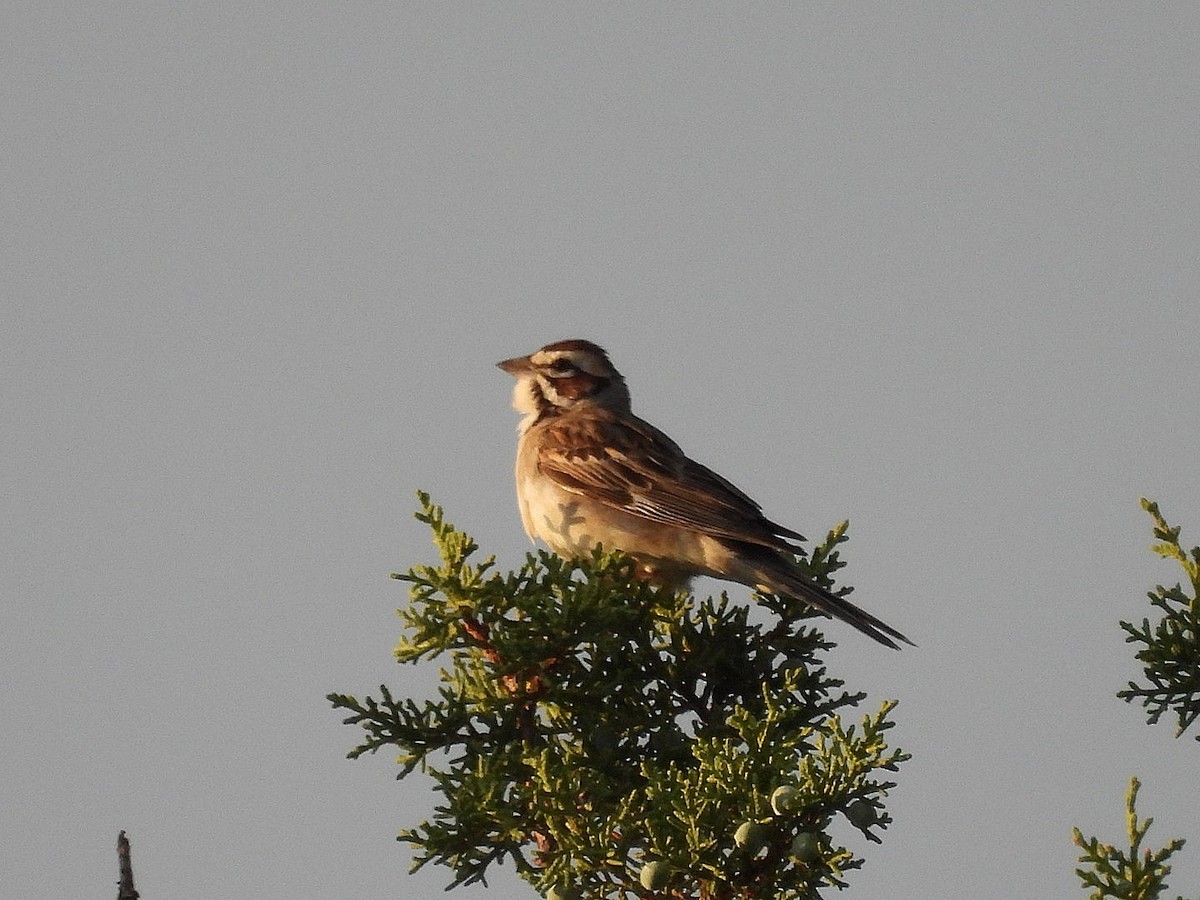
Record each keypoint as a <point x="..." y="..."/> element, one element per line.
<point x="779" y="577"/>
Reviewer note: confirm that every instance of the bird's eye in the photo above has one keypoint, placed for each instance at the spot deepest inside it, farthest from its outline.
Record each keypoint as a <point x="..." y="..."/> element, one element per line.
<point x="561" y="366"/>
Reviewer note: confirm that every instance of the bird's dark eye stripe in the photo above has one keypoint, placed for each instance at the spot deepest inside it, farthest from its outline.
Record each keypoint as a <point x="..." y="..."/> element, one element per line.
<point x="572" y="386"/>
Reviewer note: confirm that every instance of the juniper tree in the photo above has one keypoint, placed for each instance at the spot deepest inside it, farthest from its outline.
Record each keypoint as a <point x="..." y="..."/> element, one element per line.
<point x="612" y="740"/>
<point x="1170" y="656"/>
<point x="1170" y="651"/>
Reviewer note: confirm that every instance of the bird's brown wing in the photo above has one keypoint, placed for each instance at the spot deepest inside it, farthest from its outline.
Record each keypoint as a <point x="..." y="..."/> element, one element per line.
<point x="630" y="465"/>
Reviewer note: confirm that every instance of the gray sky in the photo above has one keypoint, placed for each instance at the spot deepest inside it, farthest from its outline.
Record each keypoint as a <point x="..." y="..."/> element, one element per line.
<point x="929" y="267"/>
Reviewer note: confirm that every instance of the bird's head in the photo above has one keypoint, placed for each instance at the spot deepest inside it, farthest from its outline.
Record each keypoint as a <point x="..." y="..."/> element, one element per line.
<point x="565" y="375"/>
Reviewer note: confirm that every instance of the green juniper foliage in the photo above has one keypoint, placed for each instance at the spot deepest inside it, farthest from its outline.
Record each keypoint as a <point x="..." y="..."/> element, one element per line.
<point x="1171" y="657"/>
<point x="1133" y="874"/>
<point x="1170" y="653"/>
<point x="616" y="740"/>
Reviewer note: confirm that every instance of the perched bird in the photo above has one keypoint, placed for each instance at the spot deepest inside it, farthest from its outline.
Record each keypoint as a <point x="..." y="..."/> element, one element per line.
<point x="590" y="472"/>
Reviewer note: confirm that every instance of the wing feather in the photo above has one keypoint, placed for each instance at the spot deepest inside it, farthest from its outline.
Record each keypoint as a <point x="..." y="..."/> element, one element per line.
<point x="639" y="470"/>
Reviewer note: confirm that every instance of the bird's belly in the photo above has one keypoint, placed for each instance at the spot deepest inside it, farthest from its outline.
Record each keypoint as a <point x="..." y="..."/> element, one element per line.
<point x="573" y="526"/>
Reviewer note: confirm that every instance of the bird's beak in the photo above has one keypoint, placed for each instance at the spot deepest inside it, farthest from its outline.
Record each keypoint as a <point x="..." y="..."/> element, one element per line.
<point x="517" y="366"/>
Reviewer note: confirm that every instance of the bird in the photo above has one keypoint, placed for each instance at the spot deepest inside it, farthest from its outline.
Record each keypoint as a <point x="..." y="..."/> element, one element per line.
<point x="590" y="473"/>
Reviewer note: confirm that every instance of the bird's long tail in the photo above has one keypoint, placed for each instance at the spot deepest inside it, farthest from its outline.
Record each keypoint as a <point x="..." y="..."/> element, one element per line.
<point x="777" y="575"/>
